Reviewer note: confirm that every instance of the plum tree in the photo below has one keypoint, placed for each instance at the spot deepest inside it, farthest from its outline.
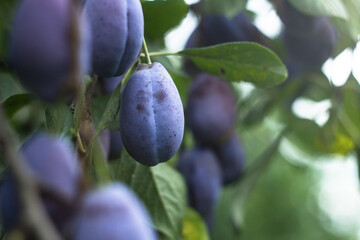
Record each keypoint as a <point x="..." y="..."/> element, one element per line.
<point x="117" y="34"/>
<point x="211" y="109"/>
<point x="202" y="173"/>
<point x="40" y="49"/>
<point x="113" y="212"/>
<point x="151" y="115"/>
<point x="54" y="164"/>
<point x="231" y="159"/>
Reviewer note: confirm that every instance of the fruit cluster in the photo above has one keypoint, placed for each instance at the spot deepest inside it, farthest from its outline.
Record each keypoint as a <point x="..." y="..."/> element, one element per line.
<point x="218" y="157"/>
<point x="102" y="38"/>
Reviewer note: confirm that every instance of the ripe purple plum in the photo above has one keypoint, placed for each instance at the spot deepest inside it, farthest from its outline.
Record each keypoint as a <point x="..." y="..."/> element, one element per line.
<point x="109" y="84"/>
<point x="113" y="212"/>
<point x="54" y="164"/>
<point x="117" y="34"/>
<point x="202" y="173"/>
<point x="151" y="115"/>
<point x="231" y="159"/>
<point x="41" y="51"/>
<point x="211" y="110"/>
<point x="309" y="40"/>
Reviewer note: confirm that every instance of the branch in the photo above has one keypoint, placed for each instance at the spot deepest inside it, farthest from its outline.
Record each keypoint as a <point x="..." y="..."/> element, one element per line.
<point x="34" y="212"/>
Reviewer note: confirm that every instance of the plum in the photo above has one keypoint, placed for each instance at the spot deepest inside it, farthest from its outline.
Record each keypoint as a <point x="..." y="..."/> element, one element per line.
<point x="113" y="212"/>
<point x="112" y="143"/>
<point x="231" y="159"/>
<point x="309" y="39"/>
<point x="211" y="110"/>
<point x="116" y="145"/>
<point x="151" y="115"/>
<point x="203" y="178"/>
<point x="40" y="49"/>
<point x="109" y="84"/>
<point x="217" y="29"/>
<point x="54" y="164"/>
<point x="117" y="34"/>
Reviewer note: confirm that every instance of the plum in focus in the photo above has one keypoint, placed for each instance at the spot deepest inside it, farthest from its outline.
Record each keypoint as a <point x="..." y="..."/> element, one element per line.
<point x="151" y="115"/>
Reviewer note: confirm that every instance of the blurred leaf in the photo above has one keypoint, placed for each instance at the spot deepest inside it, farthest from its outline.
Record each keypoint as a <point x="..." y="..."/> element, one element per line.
<point x="194" y="227"/>
<point x="97" y="110"/>
<point x="353" y="23"/>
<point x="9" y="86"/>
<point x="162" y="15"/>
<point x="227" y="7"/>
<point x="111" y="110"/>
<point x="162" y="190"/>
<point x="98" y="160"/>
<point x="247" y="183"/>
<point x="330" y="8"/>
<point x="59" y="119"/>
<point x="348" y="112"/>
<point x="15" y="102"/>
<point x="7" y="9"/>
<point x="239" y="61"/>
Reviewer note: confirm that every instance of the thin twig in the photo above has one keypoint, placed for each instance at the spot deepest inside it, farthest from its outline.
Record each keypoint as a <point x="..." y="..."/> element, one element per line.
<point x="34" y="213"/>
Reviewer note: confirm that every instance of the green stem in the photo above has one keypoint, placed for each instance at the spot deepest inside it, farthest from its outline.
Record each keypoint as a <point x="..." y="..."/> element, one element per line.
<point x="146" y="51"/>
<point x="153" y="54"/>
<point x="81" y="146"/>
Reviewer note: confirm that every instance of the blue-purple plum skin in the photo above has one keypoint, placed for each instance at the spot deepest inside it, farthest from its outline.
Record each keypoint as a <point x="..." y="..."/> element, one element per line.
<point x="113" y="212"/>
<point x="211" y="110"/>
<point x="53" y="163"/>
<point x="203" y="177"/>
<point x="151" y="115"/>
<point x="117" y="34"/>
<point x="40" y="49"/>
<point x="109" y="84"/>
<point x="116" y="145"/>
<point x="231" y="159"/>
<point x="309" y="40"/>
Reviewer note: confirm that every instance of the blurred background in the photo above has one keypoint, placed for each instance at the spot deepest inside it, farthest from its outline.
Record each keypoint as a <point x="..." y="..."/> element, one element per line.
<point x="310" y="189"/>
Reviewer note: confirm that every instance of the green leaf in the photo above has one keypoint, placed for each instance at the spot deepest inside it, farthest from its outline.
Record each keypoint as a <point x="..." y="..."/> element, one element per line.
<point x="162" y="15"/>
<point x="15" y="102"/>
<point x="98" y="160"/>
<point x="161" y="188"/>
<point x="239" y="61"/>
<point x="97" y="110"/>
<point x="59" y="119"/>
<point x="194" y="227"/>
<point x="9" y="86"/>
<point x="331" y="8"/>
<point x="111" y="110"/>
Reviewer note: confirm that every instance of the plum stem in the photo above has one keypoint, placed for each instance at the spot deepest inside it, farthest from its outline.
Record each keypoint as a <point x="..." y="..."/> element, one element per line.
<point x="147" y="55"/>
<point x="33" y="212"/>
<point x="81" y="146"/>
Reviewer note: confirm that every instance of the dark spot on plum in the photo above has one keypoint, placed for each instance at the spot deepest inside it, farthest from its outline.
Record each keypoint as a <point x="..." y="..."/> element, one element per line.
<point x="142" y="109"/>
<point x="160" y="95"/>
